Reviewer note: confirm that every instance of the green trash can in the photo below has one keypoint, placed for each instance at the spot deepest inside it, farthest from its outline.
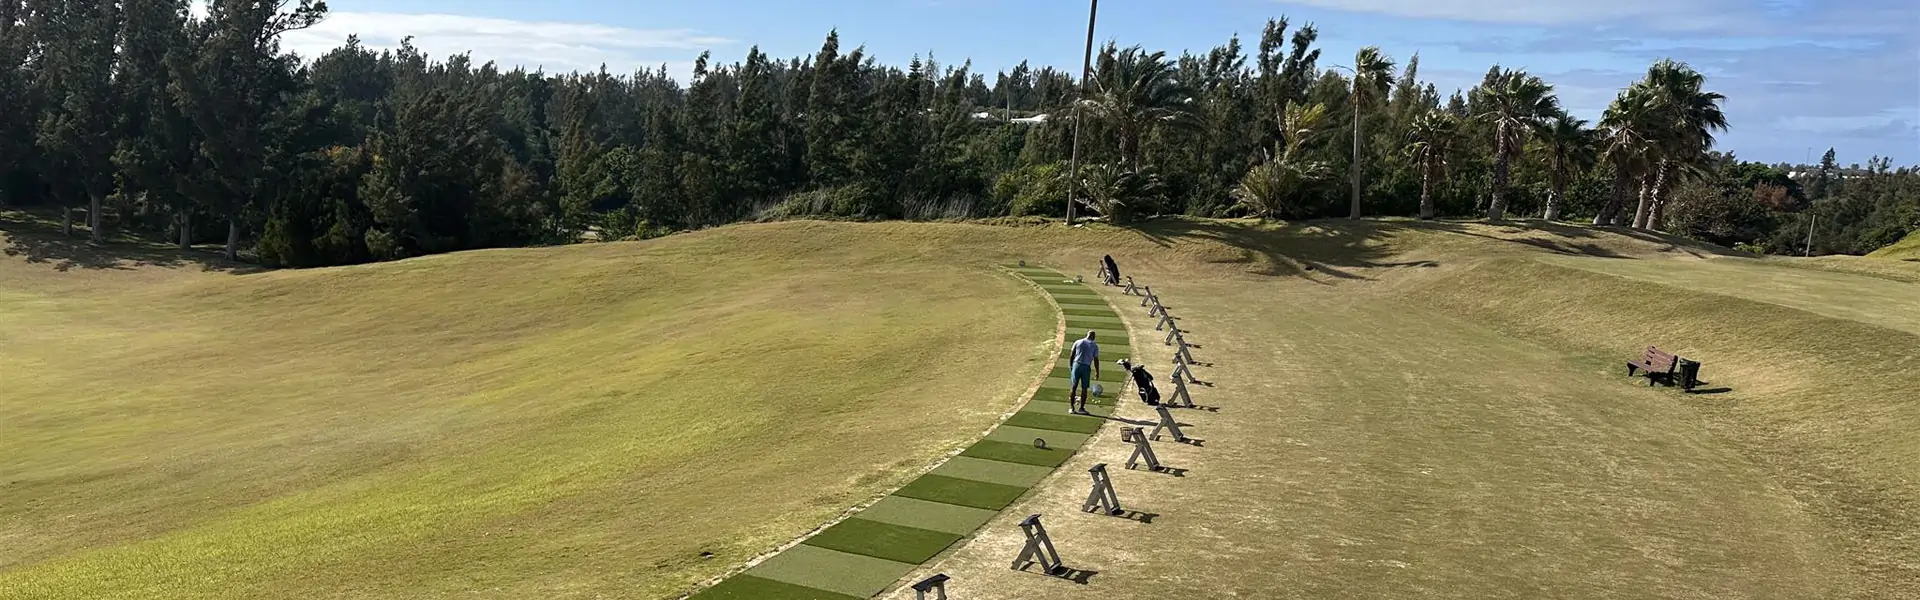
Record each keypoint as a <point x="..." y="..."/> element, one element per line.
<point x="1687" y="373"/>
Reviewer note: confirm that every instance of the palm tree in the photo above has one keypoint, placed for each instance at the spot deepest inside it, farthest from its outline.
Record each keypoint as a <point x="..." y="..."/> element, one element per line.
<point x="1268" y="186"/>
<point x="1570" y="148"/>
<point x="1114" y="191"/>
<point x="1627" y="137"/>
<point x="1136" y="91"/>
<point x="1428" y="142"/>
<point x="1516" y="103"/>
<point x="1687" y="116"/>
<point x="1372" y="76"/>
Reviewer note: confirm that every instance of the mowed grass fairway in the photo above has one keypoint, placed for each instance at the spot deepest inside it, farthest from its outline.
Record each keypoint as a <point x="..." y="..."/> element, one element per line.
<point x="582" y="421"/>
<point x="1405" y="410"/>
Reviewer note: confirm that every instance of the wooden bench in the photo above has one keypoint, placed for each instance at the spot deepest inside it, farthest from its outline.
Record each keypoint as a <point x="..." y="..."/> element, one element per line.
<point x="1661" y="367"/>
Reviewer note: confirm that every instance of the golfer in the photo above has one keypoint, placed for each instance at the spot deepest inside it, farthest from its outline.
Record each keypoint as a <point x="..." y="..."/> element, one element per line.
<point x="1086" y="366"/>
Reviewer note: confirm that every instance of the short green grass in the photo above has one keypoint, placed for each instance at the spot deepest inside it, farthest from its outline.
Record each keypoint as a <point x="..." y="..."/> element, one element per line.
<point x="901" y="543"/>
<point x="1023" y="453"/>
<point x="963" y="492"/>
<point x="748" y="587"/>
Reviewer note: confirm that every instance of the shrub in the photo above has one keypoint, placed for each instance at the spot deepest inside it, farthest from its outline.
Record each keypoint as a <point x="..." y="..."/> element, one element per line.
<point x="1033" y="190"/>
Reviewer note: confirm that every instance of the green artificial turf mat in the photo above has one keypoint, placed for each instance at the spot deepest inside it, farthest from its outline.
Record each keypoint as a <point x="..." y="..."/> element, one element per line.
<point x="1107" y="331"/>
<point x="1107" y="375"/>
<point x="1068" y="303"/>
<point x="964" y="492"/>
<point x="992" y="471"/>
<point x="1035" y="419"/>
<point x="1061" y="440"/>
<point x="1051" y="407"/>
<point x="1059" y="394"/>
<point x="883" y="540"/>
<point x="1024" y="454"/>
<point x="937" y="516"/>
<point x="1068" y="289"/>
<point x="748" y="587"/>
<point x="1083" y="302"/>
<point x="1108" y="352"/>
<point x="1090" y="312"/>
<point x="1108" y="320"/>
<point x="1060" y="383"/>
<point x="831" y="570"/>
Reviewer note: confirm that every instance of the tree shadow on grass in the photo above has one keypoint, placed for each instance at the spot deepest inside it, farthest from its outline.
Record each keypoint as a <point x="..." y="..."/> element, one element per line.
<point x="1564" y="233"/>
<point x="1329" y="250"/>
<point x="1307" y="249"/>
<point x="39" y="241"/>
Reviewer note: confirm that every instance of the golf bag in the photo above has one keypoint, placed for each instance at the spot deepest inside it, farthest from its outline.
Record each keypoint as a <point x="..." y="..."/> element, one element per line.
<point x="1111" y="270"/>
<point x="1143" y="381"/>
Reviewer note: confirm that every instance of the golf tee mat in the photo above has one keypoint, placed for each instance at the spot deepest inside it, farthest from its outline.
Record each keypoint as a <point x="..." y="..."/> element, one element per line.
<point x="869" y="552"/>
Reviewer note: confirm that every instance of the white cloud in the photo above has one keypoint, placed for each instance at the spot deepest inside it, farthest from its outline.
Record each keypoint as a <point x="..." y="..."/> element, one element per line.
<point x="553" y="46"/>
<point x="1674" y="14"/>
<point x="1886" y="121"/>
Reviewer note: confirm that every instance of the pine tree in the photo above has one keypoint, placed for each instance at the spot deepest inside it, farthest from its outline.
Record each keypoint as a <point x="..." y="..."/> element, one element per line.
<point x="156" y="141"/>
<point x="16" y="123"/>
<point x="76" y="129"/>
<point x="1824" y="176"/>
<point x="826" y="115"/>
<point x="228" y="79"/>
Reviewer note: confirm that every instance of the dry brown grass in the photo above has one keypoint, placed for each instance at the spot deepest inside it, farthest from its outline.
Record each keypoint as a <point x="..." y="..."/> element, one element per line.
<point x="1432" y="412"/>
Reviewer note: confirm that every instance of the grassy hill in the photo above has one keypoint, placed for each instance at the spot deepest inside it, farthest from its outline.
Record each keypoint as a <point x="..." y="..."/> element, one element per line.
<point x="1404" y="410"/>
<point x="1905" y="249"/>
<point x="564" y="422"/>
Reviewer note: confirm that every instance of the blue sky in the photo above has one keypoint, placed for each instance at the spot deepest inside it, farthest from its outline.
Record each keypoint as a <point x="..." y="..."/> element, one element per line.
<point x="1798" y="74"/>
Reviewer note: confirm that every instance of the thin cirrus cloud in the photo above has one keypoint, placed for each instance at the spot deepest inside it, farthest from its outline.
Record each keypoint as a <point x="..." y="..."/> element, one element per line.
<point x="549" y="45"/>
<point x="1666" y="14"/>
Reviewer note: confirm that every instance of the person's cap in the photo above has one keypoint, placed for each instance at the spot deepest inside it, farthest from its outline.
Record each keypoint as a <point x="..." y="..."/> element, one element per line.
<point x="1089" y="333"/>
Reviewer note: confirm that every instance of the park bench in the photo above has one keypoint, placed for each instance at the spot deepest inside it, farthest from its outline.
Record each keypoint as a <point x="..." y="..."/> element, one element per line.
<point x="1664" y="367"/>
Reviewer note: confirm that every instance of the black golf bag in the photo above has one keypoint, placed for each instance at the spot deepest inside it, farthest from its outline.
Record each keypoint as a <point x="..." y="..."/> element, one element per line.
<point x="1143" y="381"/>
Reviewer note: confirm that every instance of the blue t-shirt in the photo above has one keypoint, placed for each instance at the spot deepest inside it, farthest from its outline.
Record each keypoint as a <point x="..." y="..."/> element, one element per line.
<point x="1086" y="352"/>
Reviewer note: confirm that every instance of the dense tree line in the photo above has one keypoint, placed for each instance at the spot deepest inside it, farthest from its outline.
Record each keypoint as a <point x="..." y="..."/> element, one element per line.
<point x="141" y="117"/>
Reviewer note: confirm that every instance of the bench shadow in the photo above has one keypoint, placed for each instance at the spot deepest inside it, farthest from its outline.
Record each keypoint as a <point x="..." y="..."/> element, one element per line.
<point x="1709" y="391"/>
<point x="1145" y="518"/>
<point x="1164" y="470"/>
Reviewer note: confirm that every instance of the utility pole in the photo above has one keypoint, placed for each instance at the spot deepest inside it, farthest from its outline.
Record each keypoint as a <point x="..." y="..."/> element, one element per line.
<point x="1810" y="224"/>
<point x="1086" y="73"/>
